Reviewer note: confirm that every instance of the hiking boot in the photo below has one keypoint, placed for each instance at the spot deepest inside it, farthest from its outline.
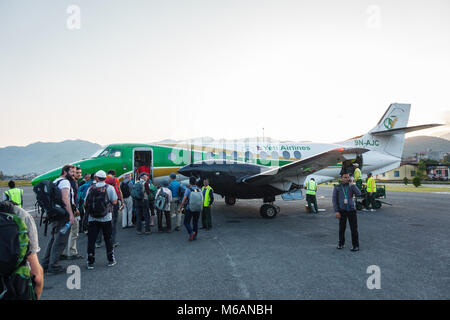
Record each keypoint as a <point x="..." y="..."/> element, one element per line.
<point x="192" y="236"/>
<point x="354" y="249"/>
<point x="56" y="269"/>
<point x="340" y="246"/>
<point x="90" y="266"/>
<point x="112" y="263"/>
<point x="177" y="229"/>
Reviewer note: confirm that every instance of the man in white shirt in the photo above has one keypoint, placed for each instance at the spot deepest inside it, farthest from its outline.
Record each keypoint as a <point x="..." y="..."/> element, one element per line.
<point x="58" y="241"/>
<point x="166" y="209"/>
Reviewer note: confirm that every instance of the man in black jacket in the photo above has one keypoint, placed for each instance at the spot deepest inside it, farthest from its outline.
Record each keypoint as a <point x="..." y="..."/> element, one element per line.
<point x="344" y="207"/>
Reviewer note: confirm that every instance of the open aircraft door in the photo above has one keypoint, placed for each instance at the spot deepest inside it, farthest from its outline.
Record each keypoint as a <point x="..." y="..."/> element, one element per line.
<point x="142" y="157"/>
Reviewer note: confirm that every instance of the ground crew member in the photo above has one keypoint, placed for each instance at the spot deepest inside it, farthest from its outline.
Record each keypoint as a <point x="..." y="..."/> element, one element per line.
<point x="311" y="188"/>
<point x="14" y="194"/>
<point x="358" y="176"/>
<point x="371" y="189"/>
<point x="208" y="197"/>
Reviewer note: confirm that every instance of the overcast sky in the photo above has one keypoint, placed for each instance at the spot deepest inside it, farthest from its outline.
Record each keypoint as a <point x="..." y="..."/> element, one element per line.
<point x="140" y="71"/>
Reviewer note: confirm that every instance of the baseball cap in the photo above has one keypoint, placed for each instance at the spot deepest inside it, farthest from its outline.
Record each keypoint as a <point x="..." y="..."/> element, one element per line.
<point x="101" y="174"/>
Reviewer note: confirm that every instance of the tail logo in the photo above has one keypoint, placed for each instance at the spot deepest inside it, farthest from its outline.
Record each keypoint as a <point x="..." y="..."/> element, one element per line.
<point x="389" y="123"/>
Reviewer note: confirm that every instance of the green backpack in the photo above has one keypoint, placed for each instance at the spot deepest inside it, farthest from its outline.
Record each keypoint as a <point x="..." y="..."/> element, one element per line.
<point x="15" y="278"/>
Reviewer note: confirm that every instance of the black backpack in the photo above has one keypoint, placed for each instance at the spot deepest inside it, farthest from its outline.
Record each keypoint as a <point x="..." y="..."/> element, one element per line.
<point x="125" y="189"/>
<point x="49" y="202"/>
<point x="97" y="202"/>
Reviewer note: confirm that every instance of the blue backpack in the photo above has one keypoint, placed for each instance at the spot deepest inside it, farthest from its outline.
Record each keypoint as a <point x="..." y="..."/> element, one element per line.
<point x="137" y="192"/>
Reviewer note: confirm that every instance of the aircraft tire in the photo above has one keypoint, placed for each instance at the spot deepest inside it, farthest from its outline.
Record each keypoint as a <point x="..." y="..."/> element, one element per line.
<point x="231" y="201"/>
<point x="269" y="211"/>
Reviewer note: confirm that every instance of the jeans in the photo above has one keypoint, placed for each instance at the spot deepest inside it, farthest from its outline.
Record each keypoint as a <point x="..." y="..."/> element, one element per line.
<point x="353" y="221"/>
<point x="187" y="221"/>
<point x="93" y="231"/>
<point x="142" y="211"/>
<point x="56" y="244"/>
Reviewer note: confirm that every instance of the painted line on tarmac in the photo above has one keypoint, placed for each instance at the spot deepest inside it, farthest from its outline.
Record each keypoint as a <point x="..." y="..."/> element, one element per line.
<point x="235" y="273"/>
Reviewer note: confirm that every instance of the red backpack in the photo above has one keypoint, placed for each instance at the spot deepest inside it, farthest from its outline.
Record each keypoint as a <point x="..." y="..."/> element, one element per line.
<point x="113" y="182"/>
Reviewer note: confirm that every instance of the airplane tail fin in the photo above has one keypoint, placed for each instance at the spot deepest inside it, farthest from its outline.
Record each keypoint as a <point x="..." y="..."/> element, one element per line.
<point x="388" y="136"/>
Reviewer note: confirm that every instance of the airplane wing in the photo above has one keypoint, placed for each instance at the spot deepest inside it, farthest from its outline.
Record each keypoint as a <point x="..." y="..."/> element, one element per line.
<point x="302" y="168"/>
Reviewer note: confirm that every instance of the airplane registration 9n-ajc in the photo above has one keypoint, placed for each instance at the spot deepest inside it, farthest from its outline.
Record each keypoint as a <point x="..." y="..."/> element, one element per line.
<point x="260" y="169"/>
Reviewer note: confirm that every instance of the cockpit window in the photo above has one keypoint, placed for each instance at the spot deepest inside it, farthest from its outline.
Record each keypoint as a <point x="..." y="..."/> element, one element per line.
<point x="104" y="153"/>
<point x="116" y="153"/>
<point x="98" y="152"/>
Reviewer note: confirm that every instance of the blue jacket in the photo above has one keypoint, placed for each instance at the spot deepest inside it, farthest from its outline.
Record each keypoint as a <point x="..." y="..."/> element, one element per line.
<point x="341" y="192"/>
<point x="174" y="186"/>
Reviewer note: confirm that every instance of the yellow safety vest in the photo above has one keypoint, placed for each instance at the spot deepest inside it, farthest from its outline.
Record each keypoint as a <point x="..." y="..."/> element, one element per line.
<point x="311" y="187"/>
<point x="371" y="187"/>
<point x="15" y="195"/>
<point x="357" y="174"/>
<point x="207" y="200"/>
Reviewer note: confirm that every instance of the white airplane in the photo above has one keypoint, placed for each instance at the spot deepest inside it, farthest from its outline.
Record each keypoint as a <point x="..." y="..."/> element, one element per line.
<point x="263" y="170"/>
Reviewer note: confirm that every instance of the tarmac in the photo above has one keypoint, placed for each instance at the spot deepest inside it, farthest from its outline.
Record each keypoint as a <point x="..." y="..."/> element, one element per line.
<point x="293" y="256"/>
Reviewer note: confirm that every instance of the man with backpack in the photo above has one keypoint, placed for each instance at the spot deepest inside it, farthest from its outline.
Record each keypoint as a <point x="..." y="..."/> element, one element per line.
<point x="19" y="281"/>
<point x="176" y="189"/>
<point x="193" y="204"/>
<point x="99" y="203"/>
<point x="127" y="212"/>
<point x="140" y="198"/>
<point x="58" y="241"/>
<point x="162" y="204"/>
<point x="71" y="252"/>
<point x="150" y="190"/>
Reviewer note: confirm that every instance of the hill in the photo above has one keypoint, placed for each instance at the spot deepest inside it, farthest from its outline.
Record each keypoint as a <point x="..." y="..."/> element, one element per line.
<point x="40" y="157"/>
<point x="423" y="144"/>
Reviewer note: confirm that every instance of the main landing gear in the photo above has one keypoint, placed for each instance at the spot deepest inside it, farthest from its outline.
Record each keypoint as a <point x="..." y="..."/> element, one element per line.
<point x="268" y="210"/>
<point x="230" y="200"/>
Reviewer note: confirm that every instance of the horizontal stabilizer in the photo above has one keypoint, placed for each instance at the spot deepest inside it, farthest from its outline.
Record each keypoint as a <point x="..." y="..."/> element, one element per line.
<point x="404" y="129"/>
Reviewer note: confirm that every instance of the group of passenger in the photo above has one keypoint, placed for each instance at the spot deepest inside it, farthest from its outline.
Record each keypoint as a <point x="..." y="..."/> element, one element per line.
<point x="94" y="204"/>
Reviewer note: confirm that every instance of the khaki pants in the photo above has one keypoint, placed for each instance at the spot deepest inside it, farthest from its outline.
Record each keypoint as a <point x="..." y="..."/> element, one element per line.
<point x="127" y="212"/>
<point x="71" y="249"/>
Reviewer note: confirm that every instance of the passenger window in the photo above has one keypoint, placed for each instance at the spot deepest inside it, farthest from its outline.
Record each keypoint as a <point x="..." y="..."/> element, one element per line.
<point x="297" y="154"/>
<point x="274" y="155"/>
<point x="116" y="153"/>
<point x="286" y="155"/>
<point x="235" y="155"/>
<point x="263" y="155"/>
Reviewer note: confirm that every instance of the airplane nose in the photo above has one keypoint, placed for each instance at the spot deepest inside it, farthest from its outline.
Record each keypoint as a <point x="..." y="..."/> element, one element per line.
<point x="186" y="170"/>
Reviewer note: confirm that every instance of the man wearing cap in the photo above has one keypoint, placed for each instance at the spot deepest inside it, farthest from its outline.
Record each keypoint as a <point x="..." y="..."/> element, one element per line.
<point x="175" y="188"/>
<point x="100" y="223"/>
